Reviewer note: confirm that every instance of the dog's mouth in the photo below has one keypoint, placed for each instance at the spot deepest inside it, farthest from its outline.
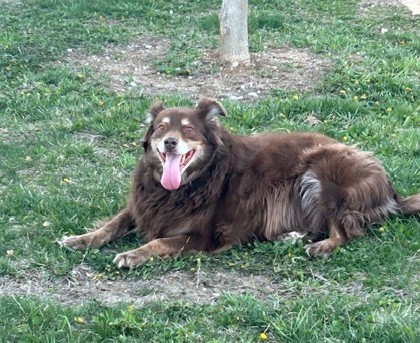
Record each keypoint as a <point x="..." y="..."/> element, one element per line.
<point x="173" y="167"/>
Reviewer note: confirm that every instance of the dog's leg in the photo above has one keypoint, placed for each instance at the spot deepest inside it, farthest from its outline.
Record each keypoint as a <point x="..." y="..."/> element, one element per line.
<point x="325" y="247"/>
<point x="116" y="228"/>
<point x="222" y="249"/>
<point x="162" y="247"/>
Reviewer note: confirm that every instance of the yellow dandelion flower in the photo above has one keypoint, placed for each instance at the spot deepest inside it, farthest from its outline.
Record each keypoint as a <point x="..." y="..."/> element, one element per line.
<point x="381" y="229"/>
<point x="343" y="92"/>
<point x="130" y="308"/>
<point x="295" y="97"/>
<point x="101" y="103"/>
<point x="263" y="336"/>
<point x="10" y="253"/>
<point x="394" y="136"/>
<point x="28" y="158"/>
<point x="356" y="82"/>
<point x="363" y="97"/>
<point x="389" y="109"/>
<point x="79" y="320"/>
<point x="356" y="98"/>
<point x="98" y="277"/>
<point x="66" y="180"/>
<point x="345" y="139"/>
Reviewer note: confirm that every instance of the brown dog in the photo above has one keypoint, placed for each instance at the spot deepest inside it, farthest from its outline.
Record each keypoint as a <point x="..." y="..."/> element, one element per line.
<point x="200" y="188"/>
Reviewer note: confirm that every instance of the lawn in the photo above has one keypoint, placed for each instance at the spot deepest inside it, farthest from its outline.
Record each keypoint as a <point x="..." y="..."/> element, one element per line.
<point x="69" y="140"/>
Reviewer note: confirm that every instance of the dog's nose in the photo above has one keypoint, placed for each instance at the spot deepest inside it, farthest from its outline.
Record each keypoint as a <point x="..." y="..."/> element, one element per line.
<point x="170" y="143"/>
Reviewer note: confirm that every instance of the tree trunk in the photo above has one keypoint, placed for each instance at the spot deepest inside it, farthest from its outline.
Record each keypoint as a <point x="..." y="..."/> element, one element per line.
<point x="234" y="47"/>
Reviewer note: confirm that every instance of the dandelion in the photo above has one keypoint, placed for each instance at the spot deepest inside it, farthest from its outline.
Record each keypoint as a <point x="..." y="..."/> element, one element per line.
<point x="81" y="76"/>
<point x="389" y="109"/>
<point x="9" y="253"/>
<point x="295" y="97"/>
<point x="130" y="308"/>
<point x="394" y="136"/>
<point x="263" y="336"/>
<point x="345" y="139"/>
<point x="343" y="92"/>
<point x="101" y="103"/>
<point x="28" y="158"/>
<point x="67" y="180"/>
<point x="363" y="97"/>
<point x="356" y="98"/>
<point x="133" y="143"/>
<point x="79" y="320"/>
<point x="98" y="277"/>
<point x="381" y="229"/>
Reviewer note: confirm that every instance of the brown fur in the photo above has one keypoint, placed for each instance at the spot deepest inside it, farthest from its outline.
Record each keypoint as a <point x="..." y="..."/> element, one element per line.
<point x="240" y="188"/>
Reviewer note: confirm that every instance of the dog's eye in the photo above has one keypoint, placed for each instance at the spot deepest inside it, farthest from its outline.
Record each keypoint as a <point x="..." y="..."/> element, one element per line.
<point x="161" y="127"/>
<point x="188" y="129"/>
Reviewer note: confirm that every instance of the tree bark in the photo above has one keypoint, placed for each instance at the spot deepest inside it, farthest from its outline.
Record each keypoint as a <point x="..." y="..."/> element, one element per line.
<point x="234" y="47"/>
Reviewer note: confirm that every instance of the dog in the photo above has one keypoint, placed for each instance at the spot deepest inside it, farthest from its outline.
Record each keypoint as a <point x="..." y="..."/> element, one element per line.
<point x="199" y="188"/>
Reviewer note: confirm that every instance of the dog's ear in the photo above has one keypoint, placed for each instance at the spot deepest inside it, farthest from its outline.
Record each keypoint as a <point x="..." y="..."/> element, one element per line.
<point x="154" y="111"/>
<point x="208" y="109"/>
<point x="150" y="117"/>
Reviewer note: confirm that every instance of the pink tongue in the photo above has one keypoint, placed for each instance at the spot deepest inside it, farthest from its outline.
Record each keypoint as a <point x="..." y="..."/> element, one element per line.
<point x="171" y="176"/>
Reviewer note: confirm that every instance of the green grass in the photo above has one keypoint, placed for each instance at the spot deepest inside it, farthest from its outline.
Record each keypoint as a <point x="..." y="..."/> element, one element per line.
<point x="68" y="145"/>
<point x="231" y="319"/>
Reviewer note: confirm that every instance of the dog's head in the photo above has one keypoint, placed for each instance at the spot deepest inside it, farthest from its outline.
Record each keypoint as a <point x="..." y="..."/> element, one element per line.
<point x="179" y="141"/>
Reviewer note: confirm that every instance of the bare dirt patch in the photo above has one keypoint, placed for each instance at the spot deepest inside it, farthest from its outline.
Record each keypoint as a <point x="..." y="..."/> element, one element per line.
<point x="366" y="5"/>
<point x="132" y="68"/>
<point x="82" y="285"/>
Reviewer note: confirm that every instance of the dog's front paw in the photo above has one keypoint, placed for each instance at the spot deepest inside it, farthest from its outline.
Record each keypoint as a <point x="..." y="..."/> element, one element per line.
<point x="73" y="242"/>
<point x="321" y="249"/>
<point x="131" y="259"/>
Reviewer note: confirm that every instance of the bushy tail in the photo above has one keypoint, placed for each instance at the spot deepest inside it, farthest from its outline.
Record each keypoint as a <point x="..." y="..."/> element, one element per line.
<point x="410" y="204"/>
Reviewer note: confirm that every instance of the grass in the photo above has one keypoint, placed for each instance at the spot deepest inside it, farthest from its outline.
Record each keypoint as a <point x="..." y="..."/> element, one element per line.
<point x="68" y="145"/>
